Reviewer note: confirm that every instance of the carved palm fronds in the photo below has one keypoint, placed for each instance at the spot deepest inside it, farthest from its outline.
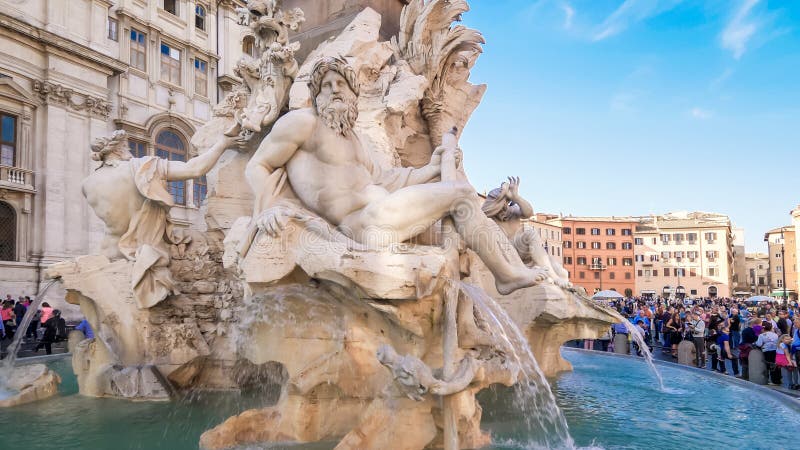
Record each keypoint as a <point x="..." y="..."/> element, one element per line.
<point x="427" y="38"/>
<point x="432" y="46"/>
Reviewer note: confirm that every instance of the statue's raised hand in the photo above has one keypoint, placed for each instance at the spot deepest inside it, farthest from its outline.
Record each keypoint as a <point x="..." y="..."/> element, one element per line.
<point x="513" y="188"/>
<point x="436" y="156"/>
<point x="442" y="151"/>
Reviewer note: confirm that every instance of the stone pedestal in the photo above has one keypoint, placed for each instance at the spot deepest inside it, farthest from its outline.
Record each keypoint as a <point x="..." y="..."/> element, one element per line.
<point x="757" y="367"/>
<point x="621" y="345"/>
<point x="687" y="354"/>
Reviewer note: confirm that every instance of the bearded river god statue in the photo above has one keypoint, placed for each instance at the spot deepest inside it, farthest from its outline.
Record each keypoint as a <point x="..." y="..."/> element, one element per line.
<point x="355" y="275"/>
<point x="333" y="176"/>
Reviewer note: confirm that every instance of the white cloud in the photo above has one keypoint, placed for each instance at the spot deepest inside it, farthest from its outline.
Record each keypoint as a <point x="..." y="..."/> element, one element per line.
<point x="569" y="13"/>
<point x="740" y="29"/>
<point x="631" y="12"/>
<point x="700" y="114"/>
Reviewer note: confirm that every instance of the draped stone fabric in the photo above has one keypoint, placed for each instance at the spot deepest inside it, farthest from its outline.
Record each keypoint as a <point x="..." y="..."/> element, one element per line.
<point x="150" y="233"/>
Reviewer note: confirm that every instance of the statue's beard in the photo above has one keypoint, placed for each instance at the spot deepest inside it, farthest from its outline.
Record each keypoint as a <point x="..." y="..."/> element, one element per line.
<point x="339" y="116"/>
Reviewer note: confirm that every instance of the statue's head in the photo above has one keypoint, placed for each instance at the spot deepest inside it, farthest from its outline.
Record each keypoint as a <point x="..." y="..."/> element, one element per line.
<point x="496" y="205"/>
<point x="109" y="149"/>
<point x="334" y="93"/>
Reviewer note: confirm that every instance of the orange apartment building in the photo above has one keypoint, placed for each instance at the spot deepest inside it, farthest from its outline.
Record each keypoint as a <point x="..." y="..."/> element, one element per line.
<point x="598" y="252"/>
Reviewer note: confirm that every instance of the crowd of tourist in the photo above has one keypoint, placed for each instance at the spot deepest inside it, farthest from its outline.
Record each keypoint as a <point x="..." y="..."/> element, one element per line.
<point x="45" y="328"/>
<point x="722" y="330"/>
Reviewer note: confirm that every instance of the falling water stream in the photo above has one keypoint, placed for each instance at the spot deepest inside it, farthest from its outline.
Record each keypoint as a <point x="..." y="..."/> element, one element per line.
<point x="534" y="397"/>
<point x="638" y="337"/>
<point x="11" y="354"/>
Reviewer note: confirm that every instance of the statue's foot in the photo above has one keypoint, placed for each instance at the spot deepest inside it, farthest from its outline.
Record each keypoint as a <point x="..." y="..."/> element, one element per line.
<point x="529" y="277"/>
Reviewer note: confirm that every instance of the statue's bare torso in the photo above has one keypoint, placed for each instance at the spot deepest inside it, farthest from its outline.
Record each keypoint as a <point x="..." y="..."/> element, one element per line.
<point x="330" y="173"/>
<point x="112" y="194"/>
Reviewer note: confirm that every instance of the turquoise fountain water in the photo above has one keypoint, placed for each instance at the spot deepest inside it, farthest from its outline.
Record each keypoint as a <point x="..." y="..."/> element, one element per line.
<point x="609" y="402"/>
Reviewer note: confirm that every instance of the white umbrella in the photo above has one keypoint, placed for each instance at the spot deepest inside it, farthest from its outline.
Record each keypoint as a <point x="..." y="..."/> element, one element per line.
<point x="760" y="298"/>
<point x="607" y="295"/>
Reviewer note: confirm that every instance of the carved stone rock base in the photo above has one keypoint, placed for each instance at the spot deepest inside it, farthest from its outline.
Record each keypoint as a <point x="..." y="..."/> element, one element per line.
<point x="31" y="383"/>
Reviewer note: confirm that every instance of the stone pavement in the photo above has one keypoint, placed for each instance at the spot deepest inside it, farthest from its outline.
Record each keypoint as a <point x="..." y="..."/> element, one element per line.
<point x="28" y="346"/>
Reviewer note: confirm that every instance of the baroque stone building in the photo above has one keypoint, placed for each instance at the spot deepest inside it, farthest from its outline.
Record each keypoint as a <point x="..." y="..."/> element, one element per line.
<point x="757" y="268"/>
<point x="684" y="255"/>
<point x="782" y="247"/>
<point x="598" y="251"/>
<point x="72" y="71"/>
<point x="796" y="224"/>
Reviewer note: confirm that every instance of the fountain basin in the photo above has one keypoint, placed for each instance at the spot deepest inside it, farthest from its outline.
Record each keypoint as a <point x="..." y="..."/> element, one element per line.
<point x="609" y="401"/>
<point x="27" y="384"/>
<point x="614" y="402"/>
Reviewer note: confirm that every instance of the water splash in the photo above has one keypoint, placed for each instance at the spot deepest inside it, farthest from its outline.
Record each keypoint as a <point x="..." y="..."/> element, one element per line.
<point x="13" y="349"/>
<point x="533" y="396"/>
<point x="638" y="337"/>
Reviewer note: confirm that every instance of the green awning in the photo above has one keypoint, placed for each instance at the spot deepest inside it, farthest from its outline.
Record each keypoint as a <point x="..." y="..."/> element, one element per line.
<point x="778" y="293"/>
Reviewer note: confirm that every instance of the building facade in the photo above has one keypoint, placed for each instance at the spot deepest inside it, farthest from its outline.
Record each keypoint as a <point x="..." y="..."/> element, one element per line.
<point x="549" y="233"/>
<point x="757" y="265"/>
<point x="741" y="285"/>
<point x="782" y="248"/>
<point x="796" y="223"/>
<point x="684" y="255"/>
<point x="73" y="71"/>
<point x="598" y="252"/>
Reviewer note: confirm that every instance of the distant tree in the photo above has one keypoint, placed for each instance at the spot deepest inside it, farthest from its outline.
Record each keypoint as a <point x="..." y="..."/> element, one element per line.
<point x="628" y="292"/>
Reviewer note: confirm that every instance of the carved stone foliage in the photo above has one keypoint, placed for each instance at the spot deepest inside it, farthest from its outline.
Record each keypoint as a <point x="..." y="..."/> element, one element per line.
<point x="60" y="95"/>
<point x="266" y="78"/>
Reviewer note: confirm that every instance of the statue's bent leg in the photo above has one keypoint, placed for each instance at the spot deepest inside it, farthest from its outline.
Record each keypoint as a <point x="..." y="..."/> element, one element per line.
<point x="403" y="214"/>
<point x="494" y="248"/>
<point x="409" y="211"/>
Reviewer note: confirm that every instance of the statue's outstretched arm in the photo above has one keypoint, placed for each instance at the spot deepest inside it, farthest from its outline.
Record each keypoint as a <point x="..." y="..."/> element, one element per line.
<point x="199" y="165"/>
<point x="288" y="134"/>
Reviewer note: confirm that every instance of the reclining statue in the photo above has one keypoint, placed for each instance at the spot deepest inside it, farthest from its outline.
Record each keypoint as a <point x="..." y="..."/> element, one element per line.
<point x="318" y="152"/>
<point x="508" y="208"/>
<point x="130" y="196"/>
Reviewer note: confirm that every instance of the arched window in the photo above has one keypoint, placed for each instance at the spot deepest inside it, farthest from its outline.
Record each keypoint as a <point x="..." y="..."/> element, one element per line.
<point x="171" y="147"/>
<point x="200" y="17"/>
<point x="8" y="232"/>
<point x="249" y="46"/>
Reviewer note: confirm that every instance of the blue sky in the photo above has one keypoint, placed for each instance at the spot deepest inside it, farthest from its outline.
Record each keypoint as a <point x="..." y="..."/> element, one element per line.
<point x="632" y="107"/>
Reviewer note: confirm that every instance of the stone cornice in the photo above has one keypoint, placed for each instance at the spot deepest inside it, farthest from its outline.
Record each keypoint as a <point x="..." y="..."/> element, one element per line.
<point x="51" y="93"/>
<point x="227" y="82"/>
<point x="51" y="39"/>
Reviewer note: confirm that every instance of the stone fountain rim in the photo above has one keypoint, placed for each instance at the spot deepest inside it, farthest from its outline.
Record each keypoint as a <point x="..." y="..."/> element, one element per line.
<point x="42" y="359"/>
<point x="791" y="402"/>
